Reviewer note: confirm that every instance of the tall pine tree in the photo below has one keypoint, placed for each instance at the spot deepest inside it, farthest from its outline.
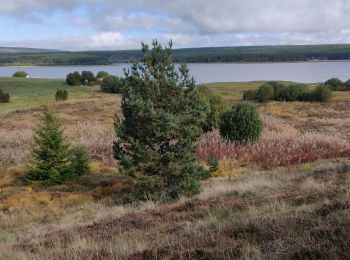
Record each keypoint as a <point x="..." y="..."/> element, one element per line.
<point x="162" y="119"/>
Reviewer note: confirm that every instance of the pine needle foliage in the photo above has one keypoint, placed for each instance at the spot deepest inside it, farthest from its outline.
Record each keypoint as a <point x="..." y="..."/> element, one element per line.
<point x="162" y="121"/>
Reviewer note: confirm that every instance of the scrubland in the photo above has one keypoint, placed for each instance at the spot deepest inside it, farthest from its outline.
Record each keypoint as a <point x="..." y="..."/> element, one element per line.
<point x="286" y="196"/>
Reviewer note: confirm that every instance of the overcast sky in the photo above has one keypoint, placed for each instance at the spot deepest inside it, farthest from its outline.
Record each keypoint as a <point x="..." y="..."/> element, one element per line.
<point x="114" y="24"/>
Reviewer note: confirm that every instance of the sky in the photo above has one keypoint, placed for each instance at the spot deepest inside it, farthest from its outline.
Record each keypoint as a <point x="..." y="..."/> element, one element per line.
<point x="119" y="25"/>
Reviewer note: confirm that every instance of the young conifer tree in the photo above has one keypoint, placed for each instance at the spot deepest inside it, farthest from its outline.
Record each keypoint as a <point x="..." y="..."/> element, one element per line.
<point x="51" y="156"/>
<point x="162" y="119"/>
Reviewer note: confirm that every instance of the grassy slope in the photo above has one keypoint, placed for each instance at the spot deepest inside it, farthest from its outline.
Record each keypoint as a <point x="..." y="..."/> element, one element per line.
<point x="28" y="93"/>
<point x="297" y="212"/>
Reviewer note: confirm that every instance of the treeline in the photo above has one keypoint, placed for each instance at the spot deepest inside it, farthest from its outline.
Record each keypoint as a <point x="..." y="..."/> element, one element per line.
<point x="283" y="53"/>
<point x="296" y="92"/>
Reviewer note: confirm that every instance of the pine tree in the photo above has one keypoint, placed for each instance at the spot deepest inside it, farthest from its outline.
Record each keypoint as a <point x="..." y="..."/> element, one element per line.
<point x="162" y="119"/>
<point x="80" y="162"/>
<point x="51" y="156"/>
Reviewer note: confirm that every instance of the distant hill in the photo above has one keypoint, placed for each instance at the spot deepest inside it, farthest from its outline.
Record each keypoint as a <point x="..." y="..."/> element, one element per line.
<point x="24" y="50"/>
<point x="279" y="53"/>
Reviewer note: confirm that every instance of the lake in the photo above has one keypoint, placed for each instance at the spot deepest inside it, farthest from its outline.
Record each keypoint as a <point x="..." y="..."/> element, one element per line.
<point x="307" y="72"/>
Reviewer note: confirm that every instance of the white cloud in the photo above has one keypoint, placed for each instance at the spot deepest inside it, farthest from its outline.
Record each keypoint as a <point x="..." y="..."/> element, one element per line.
<point x="123" y="24"/>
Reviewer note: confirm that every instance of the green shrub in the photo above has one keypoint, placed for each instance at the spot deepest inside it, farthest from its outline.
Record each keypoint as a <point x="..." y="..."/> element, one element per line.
<point x="74" y="79"/>
<point x="101" y="75"/>
<point x="265" y="92"/>
<point x="335" y="84"/>
<point x="241" y="124"/>
<point x="112" y="84"/>
<point x="276" y="87"/>
<point x="321" y="93"/>
<point x="250" y="95"/>
<point x="20" y="74"/>
<point x="61" y="94"/>
<point x="214" y="104"/>
<point x="4" y="97"/>
<point x="347" y="85"/>
<point x="87" y="78"/>
<point x="291" y="92"/>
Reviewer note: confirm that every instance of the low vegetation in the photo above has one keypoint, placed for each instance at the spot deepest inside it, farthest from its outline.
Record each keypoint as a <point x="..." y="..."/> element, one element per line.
<point x="32" y="93"/>
<point x="291" y="92"/>
<point x="112" y="84"/>
<point x="241" y="124"/>
<point x="4" y="97"/>
<point x="61" y="95"/>
<point x="20" y="74"/>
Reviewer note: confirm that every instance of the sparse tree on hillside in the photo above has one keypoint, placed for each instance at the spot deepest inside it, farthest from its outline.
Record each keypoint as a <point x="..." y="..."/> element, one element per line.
<point x="51" y="156"/>
<point x="162" y="120"/>
<point x="53" y="161"/>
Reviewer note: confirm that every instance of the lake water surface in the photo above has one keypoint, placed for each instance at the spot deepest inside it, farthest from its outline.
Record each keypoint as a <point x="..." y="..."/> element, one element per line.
<point x="306" y="72"/>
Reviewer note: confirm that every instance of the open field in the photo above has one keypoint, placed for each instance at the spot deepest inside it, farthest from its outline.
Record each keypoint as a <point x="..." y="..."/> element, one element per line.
<point x="27" y="93"/>
<point x="287" y="196"/>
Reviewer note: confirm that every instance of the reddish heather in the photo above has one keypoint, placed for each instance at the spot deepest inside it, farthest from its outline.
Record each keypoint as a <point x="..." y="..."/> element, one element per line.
<point x="280" y="146"/>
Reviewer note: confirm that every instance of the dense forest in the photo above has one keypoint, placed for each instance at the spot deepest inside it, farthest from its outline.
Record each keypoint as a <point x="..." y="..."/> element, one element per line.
<point x="283" y="53"/>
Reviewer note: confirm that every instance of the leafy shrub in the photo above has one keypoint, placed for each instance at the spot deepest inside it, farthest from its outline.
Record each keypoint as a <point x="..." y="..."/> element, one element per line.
<point x="215" y="106"/>
<point x="74" y="79"/>
<point x="291" y="93"/>
<point x="4" y="97"/>
<point x="321" y="93"/>
<point x="241" y="124"/>
<point x="162" y="121"/>
<point x="102" y="75"/>
<point x="52" y="162"/>
<point x="347" y="84"/>
<point x="61" y="94"/>
<point x="249" y="95"/>
<point x="276" y="87"/>
<point x="112" y="84"/>
<point x="87" y="78"/>
<point x="335" y="84"/>
<point x="265" y="92"/>
<point x="20" y="74"/>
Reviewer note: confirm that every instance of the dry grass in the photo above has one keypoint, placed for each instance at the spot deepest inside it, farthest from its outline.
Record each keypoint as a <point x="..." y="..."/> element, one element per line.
<point x="295" y="212"/>
<point x="275" y="214"/>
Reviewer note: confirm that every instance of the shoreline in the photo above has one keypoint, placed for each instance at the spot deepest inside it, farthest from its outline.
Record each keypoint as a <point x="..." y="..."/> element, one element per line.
<point x="123" y="63"/>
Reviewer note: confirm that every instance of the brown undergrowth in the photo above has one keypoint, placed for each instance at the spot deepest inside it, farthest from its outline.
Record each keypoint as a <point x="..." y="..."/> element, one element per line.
<point x="297" y="213"/>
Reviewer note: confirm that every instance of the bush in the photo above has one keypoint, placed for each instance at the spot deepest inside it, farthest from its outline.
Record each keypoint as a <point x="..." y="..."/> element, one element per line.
<point x="87" y="78"/>
<point x="215" y="105"/>
<point x="4" y="97"/>
<point x="335" y="84"/>
<point x="20" y="74"/>
<point x="347" y="85"/>
<point x="265" y="92"/>
<point x="101" y="75"/>
<point x="250" y="95"/>
<point x="74" y="79"/>
<point x="61" y="94"/>
<point x="291" y="93"/>
<point x="112" y="84"/>
<point x="321" y="93"/>
<point x="241" y="124"/>
<point x="53" y="162"/>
